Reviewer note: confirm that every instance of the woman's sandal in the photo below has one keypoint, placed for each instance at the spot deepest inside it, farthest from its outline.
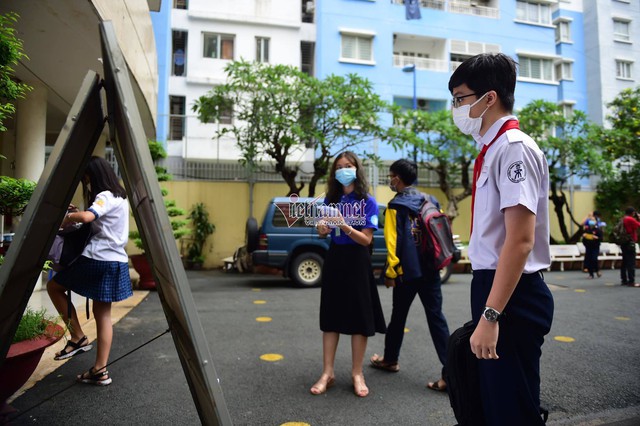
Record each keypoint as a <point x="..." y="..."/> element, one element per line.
<point x="436" y="386"/>
<point x="322" y="385"/>
<point x="378" y="362"/>
<point x="92" y="377"/>
<point x="359" y="386"/>
<point x="73" y="348"/>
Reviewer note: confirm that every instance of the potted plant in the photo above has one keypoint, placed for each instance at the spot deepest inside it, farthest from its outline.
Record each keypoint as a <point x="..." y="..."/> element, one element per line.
<point x="139" y="261"/>
<point x="201" y="228"/>
<point x="14" y="197"/>
<point x="36" y="331"/>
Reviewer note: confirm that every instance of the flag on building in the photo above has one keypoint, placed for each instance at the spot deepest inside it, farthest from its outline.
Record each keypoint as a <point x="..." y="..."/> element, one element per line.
<point x="413" y="9"/>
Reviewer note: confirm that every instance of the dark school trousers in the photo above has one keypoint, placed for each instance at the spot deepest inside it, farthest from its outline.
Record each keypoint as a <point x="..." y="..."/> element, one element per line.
<point x="430" y="293"/>
<point x="510" y="385"/>
<point x="628" y="269"/>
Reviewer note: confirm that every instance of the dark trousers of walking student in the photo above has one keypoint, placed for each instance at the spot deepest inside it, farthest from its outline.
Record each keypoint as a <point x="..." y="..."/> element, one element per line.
<point x="430" y="293"/>
<point x="591" y="253"/>
<point x="628" y="269"/>
<point x="510" y="385"/>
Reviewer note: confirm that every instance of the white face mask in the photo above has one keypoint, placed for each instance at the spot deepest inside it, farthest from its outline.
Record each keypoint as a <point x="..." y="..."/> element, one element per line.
<point x="466" y="124"/>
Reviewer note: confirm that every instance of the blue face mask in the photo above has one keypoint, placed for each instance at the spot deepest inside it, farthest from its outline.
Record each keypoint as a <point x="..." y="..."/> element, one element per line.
<point x="346" y="176"/>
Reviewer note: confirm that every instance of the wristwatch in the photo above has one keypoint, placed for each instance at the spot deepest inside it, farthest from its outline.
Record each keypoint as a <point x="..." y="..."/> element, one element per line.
<point x="491" y="314"/>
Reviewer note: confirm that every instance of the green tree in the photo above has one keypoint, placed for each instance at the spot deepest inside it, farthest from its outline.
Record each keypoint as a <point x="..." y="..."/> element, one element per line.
<point x="279" y="112"/>
<point x="443" y="149"/>
<point x="265" y="100"/>
<point x="622" y="148"/>
<point x="571" y="148"/>
<point x="342" y="112"/>
<point x="10" y="54"/>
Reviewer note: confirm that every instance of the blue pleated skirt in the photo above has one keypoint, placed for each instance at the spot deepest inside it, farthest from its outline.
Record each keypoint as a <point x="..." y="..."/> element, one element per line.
<point x="96" y="279"/>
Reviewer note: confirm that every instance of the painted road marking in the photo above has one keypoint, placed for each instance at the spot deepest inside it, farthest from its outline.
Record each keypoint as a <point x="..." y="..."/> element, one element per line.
<point x="263" y="319"/>
<point x="565" y="339"/>
<point x="259" y="302"/>
<point x="406" y="330"/>
<point x="295" y="424"/>
<point x="271" y="357"/>
<point x="622" y="318"/>
<point x="256" y="289"/>
<point x="579" y="290"/>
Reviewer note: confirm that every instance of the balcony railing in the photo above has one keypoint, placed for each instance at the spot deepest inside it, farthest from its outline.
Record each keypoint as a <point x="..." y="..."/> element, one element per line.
<point x="464" y="7"/>
<point x="421" y="63"/>
<point x="473" y="9"/>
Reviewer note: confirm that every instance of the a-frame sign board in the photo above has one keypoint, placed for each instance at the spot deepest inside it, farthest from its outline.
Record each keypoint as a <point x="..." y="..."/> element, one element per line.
<point x="54" y="192"/>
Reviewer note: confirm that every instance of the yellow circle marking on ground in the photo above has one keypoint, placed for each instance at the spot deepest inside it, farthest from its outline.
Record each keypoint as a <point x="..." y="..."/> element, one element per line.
<point x="263" y="319"/>
<point x="295" y="424"/>
<point x="579" y="290"/>
<point x="406" y="330"/>
<point x="271" y="357"/>
<point x="256" y="289"/>
<point x="565" y="339"/>
<point x="259" y="302"/>
<point x="609" y="284"/>
<point x="623" y="318"/>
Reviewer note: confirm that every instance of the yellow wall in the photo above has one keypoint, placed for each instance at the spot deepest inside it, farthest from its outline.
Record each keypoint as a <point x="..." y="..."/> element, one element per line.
<point x="228" y="207"/>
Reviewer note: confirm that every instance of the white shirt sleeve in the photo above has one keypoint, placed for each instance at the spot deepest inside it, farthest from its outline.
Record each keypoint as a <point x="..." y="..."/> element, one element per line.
<point x="102" y="204"/>
<point x="519" y="173"/>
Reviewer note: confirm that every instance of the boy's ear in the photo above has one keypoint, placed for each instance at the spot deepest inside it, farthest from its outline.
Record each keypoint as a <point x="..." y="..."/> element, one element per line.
<point x="492" y="98"/>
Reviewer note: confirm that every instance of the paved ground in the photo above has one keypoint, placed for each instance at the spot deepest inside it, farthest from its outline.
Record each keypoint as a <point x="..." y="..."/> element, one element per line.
<point x="590" y="366"/>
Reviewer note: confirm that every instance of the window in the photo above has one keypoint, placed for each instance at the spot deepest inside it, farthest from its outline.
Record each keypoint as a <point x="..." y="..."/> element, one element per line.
<point x="540" y="69"/>
<point x="563" y="31"/>
<point x="533" y="13"/>
<point x="178" y="53"/>
<point x="307" y="52"/>
<point x="564" y="70"/>
<point x="621" y="30"/>
<point x="357" y="47"/>
<point x="567" y="109"/>
<point x="176" y="118"/>
<point x="308" y="7"/>
<point x="180" y="4"/>
<point x="624" y="69"/>
<point x="262" y="49"/>
<point x="218" y="46"/>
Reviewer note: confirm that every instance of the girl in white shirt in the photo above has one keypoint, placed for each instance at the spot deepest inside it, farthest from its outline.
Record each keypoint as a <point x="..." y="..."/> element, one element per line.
<point x="101" y="273"/>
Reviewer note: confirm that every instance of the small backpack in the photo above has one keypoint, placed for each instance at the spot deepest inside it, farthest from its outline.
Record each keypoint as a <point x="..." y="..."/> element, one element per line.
<point x="437" y="241"/>
<point x="620" y="235"/>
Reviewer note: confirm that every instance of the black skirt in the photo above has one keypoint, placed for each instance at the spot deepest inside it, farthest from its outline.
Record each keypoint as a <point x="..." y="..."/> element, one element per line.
<point x="349" y="301"/>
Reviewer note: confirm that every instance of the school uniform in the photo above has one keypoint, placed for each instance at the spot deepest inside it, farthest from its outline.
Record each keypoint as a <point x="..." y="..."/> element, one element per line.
<point x="102" y="272"/>
<point x="514" y="172"/>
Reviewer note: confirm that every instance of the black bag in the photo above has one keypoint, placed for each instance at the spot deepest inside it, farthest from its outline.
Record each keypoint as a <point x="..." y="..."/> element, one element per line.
<point x="461" y="375"/>
<point x="75" y="240"/>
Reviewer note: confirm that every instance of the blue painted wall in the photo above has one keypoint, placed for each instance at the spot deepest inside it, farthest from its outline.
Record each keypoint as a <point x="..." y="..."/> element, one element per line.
<point x="161" y="22"/>
<point x="385" y="18"/>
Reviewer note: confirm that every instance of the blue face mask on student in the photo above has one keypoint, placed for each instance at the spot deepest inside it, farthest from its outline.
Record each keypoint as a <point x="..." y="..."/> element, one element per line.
<point x="346" y="176"/>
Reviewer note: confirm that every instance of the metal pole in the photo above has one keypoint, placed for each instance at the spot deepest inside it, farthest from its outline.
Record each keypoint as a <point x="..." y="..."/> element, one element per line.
<point x="415" y="108"/>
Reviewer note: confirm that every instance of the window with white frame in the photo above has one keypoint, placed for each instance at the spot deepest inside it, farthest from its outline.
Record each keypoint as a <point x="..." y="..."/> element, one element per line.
<point x="262" y="49"/>
<point x="357" y="47"/>
<point x="536" y="68"/>
<point x="564" y="70"/>
<point x="563" y="31"/>
<point x="533" y="12"/>
<point x="621" y="30"/>
<point x="624" y="69"/>
<point x="218" y="46"/>
<point x="177" y="117"/>
<point x="567" y="108"/>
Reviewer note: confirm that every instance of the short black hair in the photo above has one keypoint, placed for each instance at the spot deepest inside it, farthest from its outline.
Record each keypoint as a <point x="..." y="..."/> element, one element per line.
<point x="629" y="211"/>
<point x="485" y="72"/>
<point x="406" y="170"/>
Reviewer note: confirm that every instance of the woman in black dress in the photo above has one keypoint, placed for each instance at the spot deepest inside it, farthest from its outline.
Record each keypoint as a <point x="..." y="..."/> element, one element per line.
<point x="349" y="302"/>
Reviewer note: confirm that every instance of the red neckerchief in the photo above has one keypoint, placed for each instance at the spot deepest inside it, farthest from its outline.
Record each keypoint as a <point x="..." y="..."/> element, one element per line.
<point x="477" y="167"/>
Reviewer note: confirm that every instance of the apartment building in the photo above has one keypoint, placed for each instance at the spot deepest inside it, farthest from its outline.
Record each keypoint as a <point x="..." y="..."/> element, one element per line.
<point x="377" y="40"/>
<point x="612" y="56"/>
<point x="205" y="37"/>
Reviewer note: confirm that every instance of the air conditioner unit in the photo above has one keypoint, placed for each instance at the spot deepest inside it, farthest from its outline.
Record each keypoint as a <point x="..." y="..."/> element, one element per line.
<point x="423" y="103"/>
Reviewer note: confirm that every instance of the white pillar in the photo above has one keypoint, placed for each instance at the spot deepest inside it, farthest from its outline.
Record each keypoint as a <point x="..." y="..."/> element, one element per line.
<point x="31" y="127"/>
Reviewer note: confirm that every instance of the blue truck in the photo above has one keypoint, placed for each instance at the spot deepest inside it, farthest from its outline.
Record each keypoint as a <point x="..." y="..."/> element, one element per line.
<point x="285" y="241"/>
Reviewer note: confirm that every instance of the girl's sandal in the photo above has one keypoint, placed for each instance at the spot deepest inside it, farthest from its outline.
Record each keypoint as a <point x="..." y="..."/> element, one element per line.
<point x="359" y="386"/>
<point x="322" y="385"/>
<point x="92" y="377"/>
<point x="73" y="348"/>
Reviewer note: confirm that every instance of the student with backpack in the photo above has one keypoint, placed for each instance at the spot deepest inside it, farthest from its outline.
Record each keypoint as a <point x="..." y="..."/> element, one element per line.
<point x="591" y="238"/>
<point x="511" y="305"/>
<point x="630" y="223"/>
<point x="410" y="270"/>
